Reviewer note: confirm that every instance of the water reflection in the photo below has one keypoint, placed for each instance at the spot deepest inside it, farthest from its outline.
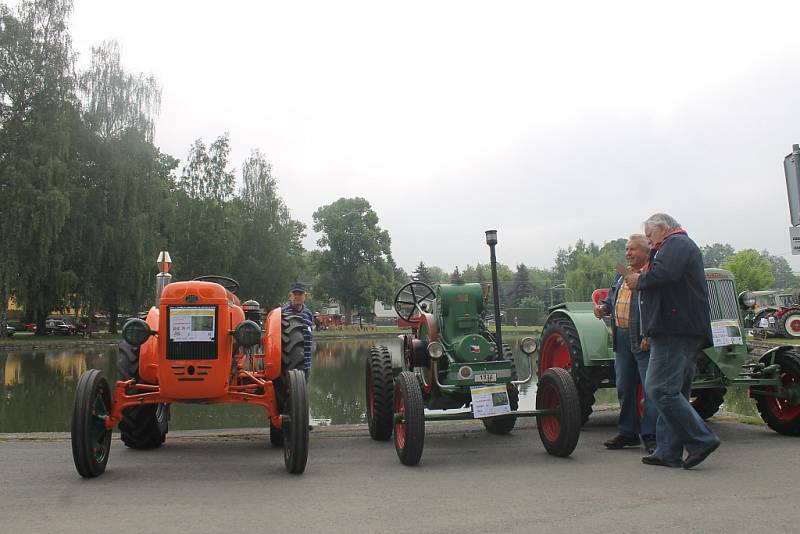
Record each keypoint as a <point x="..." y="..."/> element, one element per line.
<point x="38" y="387"/>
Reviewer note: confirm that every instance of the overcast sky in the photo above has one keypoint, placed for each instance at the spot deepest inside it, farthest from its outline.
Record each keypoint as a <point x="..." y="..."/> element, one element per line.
<point x="549" y="121"/>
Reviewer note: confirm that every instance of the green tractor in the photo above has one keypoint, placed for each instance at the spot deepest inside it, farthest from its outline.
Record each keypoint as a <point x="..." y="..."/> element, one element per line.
<point x="453" y="363"/>
<point x="575" y="340"/>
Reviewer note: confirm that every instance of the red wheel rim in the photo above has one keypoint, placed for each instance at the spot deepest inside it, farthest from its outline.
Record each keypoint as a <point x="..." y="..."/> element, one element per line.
<point x="640" y="400"/>
<point x="555" y="353"/>
<point x="400" y="427"/>
<point x="781" y="407"/>
<point x="547" y="398"/>
<point x="793" y="325"/>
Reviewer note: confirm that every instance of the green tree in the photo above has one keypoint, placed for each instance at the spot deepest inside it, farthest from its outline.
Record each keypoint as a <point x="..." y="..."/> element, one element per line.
<point x="591" y="272"/>
<point x="354" y="266"/>
<point x="270" y="252"/>
<point x="39" y="116"/>
<point x="522" y="287"/>
<point x="715" y="255"/>
<point x="752" y="272"/>
<point x="781" y="272"/>
<point x="422" y="274"/>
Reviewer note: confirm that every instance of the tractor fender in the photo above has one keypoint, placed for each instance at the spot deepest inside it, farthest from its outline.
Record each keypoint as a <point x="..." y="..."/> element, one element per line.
<point x="272" y="344"/>
<point x="769" y="356"/>
<point x="148" y="353"/>
<point x="593" y="334"/>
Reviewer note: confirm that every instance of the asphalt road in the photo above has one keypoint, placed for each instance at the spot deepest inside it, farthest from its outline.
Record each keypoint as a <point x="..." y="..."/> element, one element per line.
<point x="468" y="481"/>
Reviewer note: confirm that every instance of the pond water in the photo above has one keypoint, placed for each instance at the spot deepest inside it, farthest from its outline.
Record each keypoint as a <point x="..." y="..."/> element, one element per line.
<point x="38" y="387"/>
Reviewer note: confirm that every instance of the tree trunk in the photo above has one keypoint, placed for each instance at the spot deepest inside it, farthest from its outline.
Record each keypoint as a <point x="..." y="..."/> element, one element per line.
<point x="3" y="312"/>
<point x="112" y="321"/>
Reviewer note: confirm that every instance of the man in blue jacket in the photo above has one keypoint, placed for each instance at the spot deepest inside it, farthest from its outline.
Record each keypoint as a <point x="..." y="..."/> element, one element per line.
<point x="674" y="305"/>
<point x="631" y="353"/>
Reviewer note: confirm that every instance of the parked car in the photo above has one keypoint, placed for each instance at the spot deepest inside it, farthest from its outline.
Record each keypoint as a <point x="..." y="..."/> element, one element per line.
<point x="29" y="327"/>
<point x="10" y="330"/>
<point x="59" y="327"/>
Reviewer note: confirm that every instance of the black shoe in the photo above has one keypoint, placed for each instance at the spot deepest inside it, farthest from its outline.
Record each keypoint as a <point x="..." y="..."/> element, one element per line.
<point x="694" y="459"/>
<point x="620" y="441"/>
<point x="649" y="444"/>
<point x="655" y="460"/>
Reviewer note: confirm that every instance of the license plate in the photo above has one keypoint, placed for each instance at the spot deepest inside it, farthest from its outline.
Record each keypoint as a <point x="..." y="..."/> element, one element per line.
<point x="485" y="377"/>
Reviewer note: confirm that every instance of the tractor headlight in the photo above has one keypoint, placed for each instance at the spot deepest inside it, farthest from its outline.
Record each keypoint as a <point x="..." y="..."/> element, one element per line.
<point x="136" y="332"/>
<point x="247" y="334"/>
<point x="527" y="345"/>
<point x="747" y="299"/>
<point x="435" y="350"/>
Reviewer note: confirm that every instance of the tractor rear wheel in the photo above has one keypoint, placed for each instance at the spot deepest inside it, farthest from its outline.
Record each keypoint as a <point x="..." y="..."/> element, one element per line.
<point x="706" y="402"/>
<point x="91" y="440"/>
<point x="144" y="426"/>
<point x="789" y="324"/>
<point x="779" y="414"/>
<point x="295" y="430"/>
<point x="380" y="393"/>
<point x="409" y="432"/>
<point x="559" y="432"/>
<point x="561" y="348"/>
<point x="292" y="358"/>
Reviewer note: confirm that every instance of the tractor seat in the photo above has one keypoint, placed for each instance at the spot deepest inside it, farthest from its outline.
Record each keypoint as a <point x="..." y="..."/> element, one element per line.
<point x="599" y="294"/>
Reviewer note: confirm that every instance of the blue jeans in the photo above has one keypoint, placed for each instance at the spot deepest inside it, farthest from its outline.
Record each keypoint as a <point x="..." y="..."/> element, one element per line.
<point x="669" y="384"/>
<point x="631" y="370"/>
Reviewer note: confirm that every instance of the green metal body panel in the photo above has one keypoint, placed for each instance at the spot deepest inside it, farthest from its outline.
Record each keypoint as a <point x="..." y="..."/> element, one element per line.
<point x="501" y="368"/>
<point x="459" y="306"/>
<point x="593" y="333"/>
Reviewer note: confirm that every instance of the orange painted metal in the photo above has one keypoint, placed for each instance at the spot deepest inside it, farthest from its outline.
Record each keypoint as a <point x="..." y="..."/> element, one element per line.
<point x="148" y="352"/>
<point x="272" y="345"/>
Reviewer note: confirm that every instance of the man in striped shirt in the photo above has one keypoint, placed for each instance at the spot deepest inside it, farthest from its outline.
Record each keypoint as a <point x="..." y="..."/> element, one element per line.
<point x="297" y="306"/>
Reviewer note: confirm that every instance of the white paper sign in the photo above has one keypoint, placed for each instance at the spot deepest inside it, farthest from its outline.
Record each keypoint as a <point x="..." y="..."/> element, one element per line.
<point x="726" y="333"/>
<point x="191" y="324"/>
<point x="489" y="400"/>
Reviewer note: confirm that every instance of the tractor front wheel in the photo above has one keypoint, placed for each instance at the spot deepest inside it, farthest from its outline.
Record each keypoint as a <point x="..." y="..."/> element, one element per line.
<point x="790" y="324"/>
<point x="91" y="440"/>
<point x="409" y="431"/>
<point x="706" y="402"/>
<point x="295" y="430"/>
<point x="292" y="357"/>
<point x="779" y="413"/>
<point x="380" y="393"/>
<point x="505" y="423"/>
<point x="559" y="432"/>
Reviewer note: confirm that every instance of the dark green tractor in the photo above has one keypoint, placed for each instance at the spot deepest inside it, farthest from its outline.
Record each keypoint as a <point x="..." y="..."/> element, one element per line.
<point x="453" y="363"/>
<point x="574" y="339"/>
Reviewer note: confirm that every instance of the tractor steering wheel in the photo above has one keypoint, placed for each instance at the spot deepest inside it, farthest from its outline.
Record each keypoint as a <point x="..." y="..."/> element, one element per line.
<point x="225" y="281"/>
<point x="412" y="299"/>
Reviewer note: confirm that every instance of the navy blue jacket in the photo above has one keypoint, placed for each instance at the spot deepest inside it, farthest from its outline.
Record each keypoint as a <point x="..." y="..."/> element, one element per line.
<point x="673" y="292"/>
<point x="634" y="320"/>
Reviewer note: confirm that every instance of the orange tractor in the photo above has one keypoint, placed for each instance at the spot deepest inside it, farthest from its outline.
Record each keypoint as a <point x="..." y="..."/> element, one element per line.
<point x="198" y="344"/>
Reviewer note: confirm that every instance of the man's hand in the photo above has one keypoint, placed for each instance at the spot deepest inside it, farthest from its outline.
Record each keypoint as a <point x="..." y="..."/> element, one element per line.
<point x="599" y="311"/>
<point x="631" y="279"/>
<point x="645" y="344"/>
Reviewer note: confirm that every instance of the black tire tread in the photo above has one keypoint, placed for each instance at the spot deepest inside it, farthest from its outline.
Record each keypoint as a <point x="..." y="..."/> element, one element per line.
<point x="788" y="360"/>
<point x="85" y="463"/>
<point x="407" y="385"/>
<point x="295" y="449"/>
<point x="140" y="427"/>
<point x="505" y="424"/>
<point x="379" y="370"/>
<point x="292" y="358"/>
<point x="569" y="416"/>
<point x="706" y="402"/>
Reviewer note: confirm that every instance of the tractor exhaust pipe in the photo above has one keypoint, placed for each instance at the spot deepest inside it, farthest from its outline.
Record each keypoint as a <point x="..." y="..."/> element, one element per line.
<point x="491" y="240"/>
<point x="163" y="277"/>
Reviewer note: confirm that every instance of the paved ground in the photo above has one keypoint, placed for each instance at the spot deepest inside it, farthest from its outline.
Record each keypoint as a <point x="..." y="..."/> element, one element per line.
<point x="468" y="481"/>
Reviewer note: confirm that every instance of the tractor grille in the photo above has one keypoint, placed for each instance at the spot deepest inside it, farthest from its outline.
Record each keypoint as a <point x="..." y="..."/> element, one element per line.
<point x="722" y="303"/>
<point x="194" y="350"/>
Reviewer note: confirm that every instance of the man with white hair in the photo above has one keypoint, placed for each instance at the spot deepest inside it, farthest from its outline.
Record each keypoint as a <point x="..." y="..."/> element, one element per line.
<point x="674" y="305"/>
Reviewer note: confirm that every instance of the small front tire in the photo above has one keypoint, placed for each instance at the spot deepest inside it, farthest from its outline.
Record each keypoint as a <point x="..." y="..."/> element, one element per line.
<point x="91" y="440"/>
<point x="409" y="432"/>
<point x="295" y="431"/>
<point x="559" y="432"/>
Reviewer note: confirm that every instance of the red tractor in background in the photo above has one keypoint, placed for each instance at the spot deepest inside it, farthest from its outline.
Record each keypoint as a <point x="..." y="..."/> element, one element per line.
<point x="198" y="344"/>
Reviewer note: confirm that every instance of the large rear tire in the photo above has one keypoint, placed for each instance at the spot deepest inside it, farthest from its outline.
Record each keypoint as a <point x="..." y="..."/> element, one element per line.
<point x="145" y="426"/>
<point x="789" y="324"/>
<point x="779" y="414"/>
<point x="292" y="358"/>
<point x="560" y="432"/>
<point x="295" y="431"/>
<point x="380" y="393"/>
<point x="561" y="347"/>
<point x="409" y="432"/>
<point x="91" y="440"/>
